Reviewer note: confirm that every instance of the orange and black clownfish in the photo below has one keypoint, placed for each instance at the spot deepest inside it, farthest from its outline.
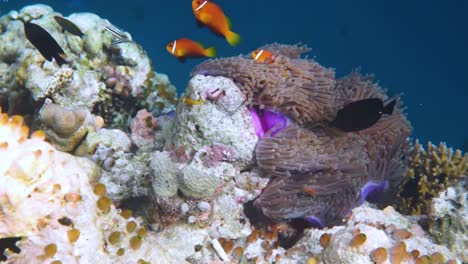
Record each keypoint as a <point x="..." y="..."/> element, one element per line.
<point x="184" y="48"/>
<point x="262" y="56"/>
<point x="211" y="15"/>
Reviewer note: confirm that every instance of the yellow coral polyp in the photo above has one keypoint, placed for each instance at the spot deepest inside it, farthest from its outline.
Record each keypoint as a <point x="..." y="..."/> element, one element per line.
<point x="131" y="226"/>
<point x="72" y="197"/>
<point x="50" y="250"/>
<point x="114" y="238"/>
<point x="100" y="189"/>
<point x="358" y="240"/>
<point x="135" y="242"/>
<point x="126" y="214"/>
<point x="142" y="232"/>
<point x="38" y="134"/>
<point x="73" y="235"/>
<point x="104" y="204"/>
<point x="120" y="252"/>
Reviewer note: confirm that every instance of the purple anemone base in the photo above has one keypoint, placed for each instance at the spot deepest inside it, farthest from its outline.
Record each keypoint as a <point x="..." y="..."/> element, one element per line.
<point x="314" y="221"/>
<point x="264" y="120"/>
<point x="372" y="191"/>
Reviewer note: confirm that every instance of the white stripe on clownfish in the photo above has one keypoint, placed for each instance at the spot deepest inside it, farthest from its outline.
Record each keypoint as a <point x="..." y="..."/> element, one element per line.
<point x="202" y="5"/>
<point x="174" y="46"/>
<point x="258" y="54"/>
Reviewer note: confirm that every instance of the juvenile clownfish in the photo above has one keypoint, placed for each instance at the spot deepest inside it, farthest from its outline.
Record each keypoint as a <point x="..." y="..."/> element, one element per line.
<point x="263" y="56"/>
<point x="211" y="15"/>
<point x="183" y="48"/>
<point x="362" y="114"/>
<point x="186" y="100"/>
<point x="310" y="191"/>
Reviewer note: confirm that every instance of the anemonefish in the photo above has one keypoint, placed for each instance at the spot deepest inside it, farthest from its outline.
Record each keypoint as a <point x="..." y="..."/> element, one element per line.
<point x="183" y="48"/>
<point x="210" y="14"/>
<point x="262" y="56"/>
<point x="362" y="114"/>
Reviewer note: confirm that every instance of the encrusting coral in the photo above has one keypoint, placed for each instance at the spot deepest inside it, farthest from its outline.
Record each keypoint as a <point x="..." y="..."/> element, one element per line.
<point x="431" y="171"/>
<point x="66" y="128"/>
<point x="448" y="218"/>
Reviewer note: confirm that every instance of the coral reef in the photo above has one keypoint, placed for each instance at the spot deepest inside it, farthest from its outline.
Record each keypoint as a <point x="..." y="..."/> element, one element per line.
<point x="65" y="128"/>
<point x="448" y="218"/>
<point x="112" y="81"/>
<point x="374" y="236"/>
<point x="431" y="171"/>
<point x="241" y="171"/>
<point x="224" y="122"/>
<point x="194" y="179"/>
<point x="142" y="127"/>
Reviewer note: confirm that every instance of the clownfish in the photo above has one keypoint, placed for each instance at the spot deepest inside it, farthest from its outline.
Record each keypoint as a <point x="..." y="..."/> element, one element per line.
<point x="211" y="15"/>
<point x="184" y="47"/>
<point x="262" y="56"/>
<point x="310" y="191"/>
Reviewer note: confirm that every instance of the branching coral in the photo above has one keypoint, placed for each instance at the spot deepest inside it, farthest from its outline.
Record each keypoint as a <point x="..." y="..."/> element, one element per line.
<point x="299" y="88"/>
<point x="431" y="171"/>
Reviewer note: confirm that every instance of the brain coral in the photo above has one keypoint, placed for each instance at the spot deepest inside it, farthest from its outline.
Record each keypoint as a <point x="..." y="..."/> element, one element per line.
<point x="317" y="172"/>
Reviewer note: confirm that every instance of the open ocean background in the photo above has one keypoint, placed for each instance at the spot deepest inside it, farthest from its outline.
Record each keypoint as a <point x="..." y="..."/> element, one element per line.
<point x="415" y="48"/>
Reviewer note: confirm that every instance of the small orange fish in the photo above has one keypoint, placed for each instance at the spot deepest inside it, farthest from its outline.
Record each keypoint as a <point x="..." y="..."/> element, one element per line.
<point x="183" y="48"/>
<point x="210" y="14"/>
<point x="310" y="191"/>
<point x="263" y="56"/>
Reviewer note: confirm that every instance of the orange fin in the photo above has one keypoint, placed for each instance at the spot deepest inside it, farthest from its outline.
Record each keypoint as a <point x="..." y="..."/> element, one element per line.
<point x="210" y="52"/>
<point x="228" y="22"/>
<point x="233" y="38"/>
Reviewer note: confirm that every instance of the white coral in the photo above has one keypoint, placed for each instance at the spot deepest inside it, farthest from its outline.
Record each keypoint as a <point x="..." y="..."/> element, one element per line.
<point x="226" y="121"/>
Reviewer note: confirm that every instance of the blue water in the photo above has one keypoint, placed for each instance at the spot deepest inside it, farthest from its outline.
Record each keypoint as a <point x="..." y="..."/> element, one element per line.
<point x="418" y="48"/>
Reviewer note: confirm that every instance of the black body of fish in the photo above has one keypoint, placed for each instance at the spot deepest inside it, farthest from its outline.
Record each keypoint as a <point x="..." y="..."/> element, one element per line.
<point x="44" y="43"/>
<point x="68" y="26"/>
<point x="361" y="114"/>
